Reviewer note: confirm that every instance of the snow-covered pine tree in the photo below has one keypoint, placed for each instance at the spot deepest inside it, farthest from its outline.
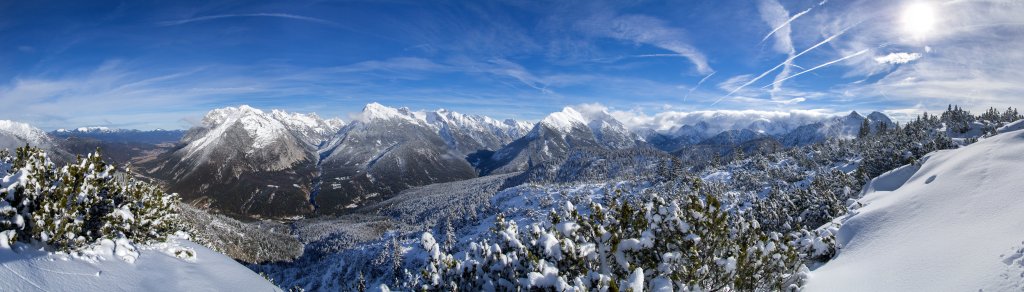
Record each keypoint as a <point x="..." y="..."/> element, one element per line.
<point x="361" y="283"/>
<point x="865" y="129"/>
<point x="76" y="205"/>
<point x="396" y="261"/>
<point x="450" y="238"/>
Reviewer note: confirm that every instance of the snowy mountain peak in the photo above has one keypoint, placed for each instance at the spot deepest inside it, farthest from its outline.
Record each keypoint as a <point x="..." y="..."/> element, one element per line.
<point x="854" y="115"/>
<point x="21" y="133"/>
<point x="564" y="120"/>
<point x="262" y="128"/>
<point x="309" y="127"/>
<point x="879" y="117"/>
<point x="223" y="115"/>
<point x="93" y="129"/>
<point x="376" y="111"/>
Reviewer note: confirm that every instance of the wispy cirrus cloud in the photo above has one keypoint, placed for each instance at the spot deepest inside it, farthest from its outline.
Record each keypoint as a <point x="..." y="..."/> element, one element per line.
<point x="223" y="16"/>
<point x="773" y="14"/>
<point x="963" y="59"/>
<point x="645" y="30"/>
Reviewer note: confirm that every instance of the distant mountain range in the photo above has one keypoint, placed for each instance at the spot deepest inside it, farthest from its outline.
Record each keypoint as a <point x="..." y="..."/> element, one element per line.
<point x="247" y="162"/>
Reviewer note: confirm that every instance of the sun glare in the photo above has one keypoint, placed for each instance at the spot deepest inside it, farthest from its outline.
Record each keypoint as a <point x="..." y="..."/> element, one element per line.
<point x="918" y="19"/>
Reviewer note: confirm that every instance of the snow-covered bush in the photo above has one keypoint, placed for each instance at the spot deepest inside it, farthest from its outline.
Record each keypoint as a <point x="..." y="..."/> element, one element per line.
<point x="677" y="240"/>
<point x="76" y="205"/>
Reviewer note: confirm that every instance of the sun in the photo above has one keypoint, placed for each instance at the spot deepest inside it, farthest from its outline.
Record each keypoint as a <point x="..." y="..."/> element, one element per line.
<point x="918" y="19"/>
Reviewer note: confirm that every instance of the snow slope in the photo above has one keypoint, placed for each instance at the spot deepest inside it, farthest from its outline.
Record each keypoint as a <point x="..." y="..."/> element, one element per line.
<point x="953" y="224"/>
<point x="153" y="270"/>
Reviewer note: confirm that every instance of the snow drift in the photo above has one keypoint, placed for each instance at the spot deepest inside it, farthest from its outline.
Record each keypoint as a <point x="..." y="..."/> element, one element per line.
<point x="108" y="268"/>
<point x="954" y="223"/>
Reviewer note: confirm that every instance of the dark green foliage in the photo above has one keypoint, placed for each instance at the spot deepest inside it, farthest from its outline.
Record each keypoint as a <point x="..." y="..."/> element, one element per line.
<point x="683" y="235"/>
<point x="865" y="129"/>
<point x="76" y="205"/>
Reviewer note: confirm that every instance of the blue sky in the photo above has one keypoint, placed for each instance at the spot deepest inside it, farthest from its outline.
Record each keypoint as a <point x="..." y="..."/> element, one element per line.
<point x="142" y="64"/>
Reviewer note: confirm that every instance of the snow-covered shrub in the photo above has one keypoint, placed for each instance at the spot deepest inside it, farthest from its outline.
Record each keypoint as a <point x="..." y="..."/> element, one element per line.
<point x="683" y="240"/>
<point x="79" y="204"/>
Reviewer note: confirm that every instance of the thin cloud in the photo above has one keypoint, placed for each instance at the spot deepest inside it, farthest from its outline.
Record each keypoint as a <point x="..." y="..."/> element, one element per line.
<point x="646" y="30"/>
<point x="774" y="14"/>
<point x="898" y="58"/>
<point x="222" y="16"/>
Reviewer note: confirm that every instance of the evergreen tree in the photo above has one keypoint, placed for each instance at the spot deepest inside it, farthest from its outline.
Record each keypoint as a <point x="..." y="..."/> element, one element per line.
<point x="361" y="283"/>
<point x="865" y="129"/>
<point x="449" y="236"/>
<point x="396" y="260"/>
<point x="81" y="203"/>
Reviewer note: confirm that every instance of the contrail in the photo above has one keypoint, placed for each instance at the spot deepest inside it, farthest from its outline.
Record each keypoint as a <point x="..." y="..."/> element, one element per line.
<point x="784" y="24"/>
<point x="619" y="58"/>
<point x="788" y="60"/>
<point x="278" y="15"/>
<point x="820" y="66"/>
<point x="698" y="85"/>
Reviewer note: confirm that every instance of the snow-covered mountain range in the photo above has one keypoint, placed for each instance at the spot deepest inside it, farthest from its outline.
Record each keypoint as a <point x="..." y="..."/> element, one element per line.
<point x="158" y="136"/>
<point x="249" y="162"/>
<point x="837" y="127"/>
<point x="553" y="137"/>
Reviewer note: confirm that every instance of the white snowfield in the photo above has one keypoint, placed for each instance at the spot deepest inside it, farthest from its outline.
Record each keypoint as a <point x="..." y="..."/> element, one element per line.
<point x="155" y="269"/>
<point x="956" y="223"/>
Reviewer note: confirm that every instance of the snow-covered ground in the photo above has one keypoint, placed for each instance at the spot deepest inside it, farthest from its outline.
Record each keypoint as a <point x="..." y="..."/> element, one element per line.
<point x="110" y="267"/>
<point x="954" y="223"/>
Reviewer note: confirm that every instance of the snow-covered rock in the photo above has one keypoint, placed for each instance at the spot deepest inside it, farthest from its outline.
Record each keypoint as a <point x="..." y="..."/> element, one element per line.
<point x="952" y="224"/>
